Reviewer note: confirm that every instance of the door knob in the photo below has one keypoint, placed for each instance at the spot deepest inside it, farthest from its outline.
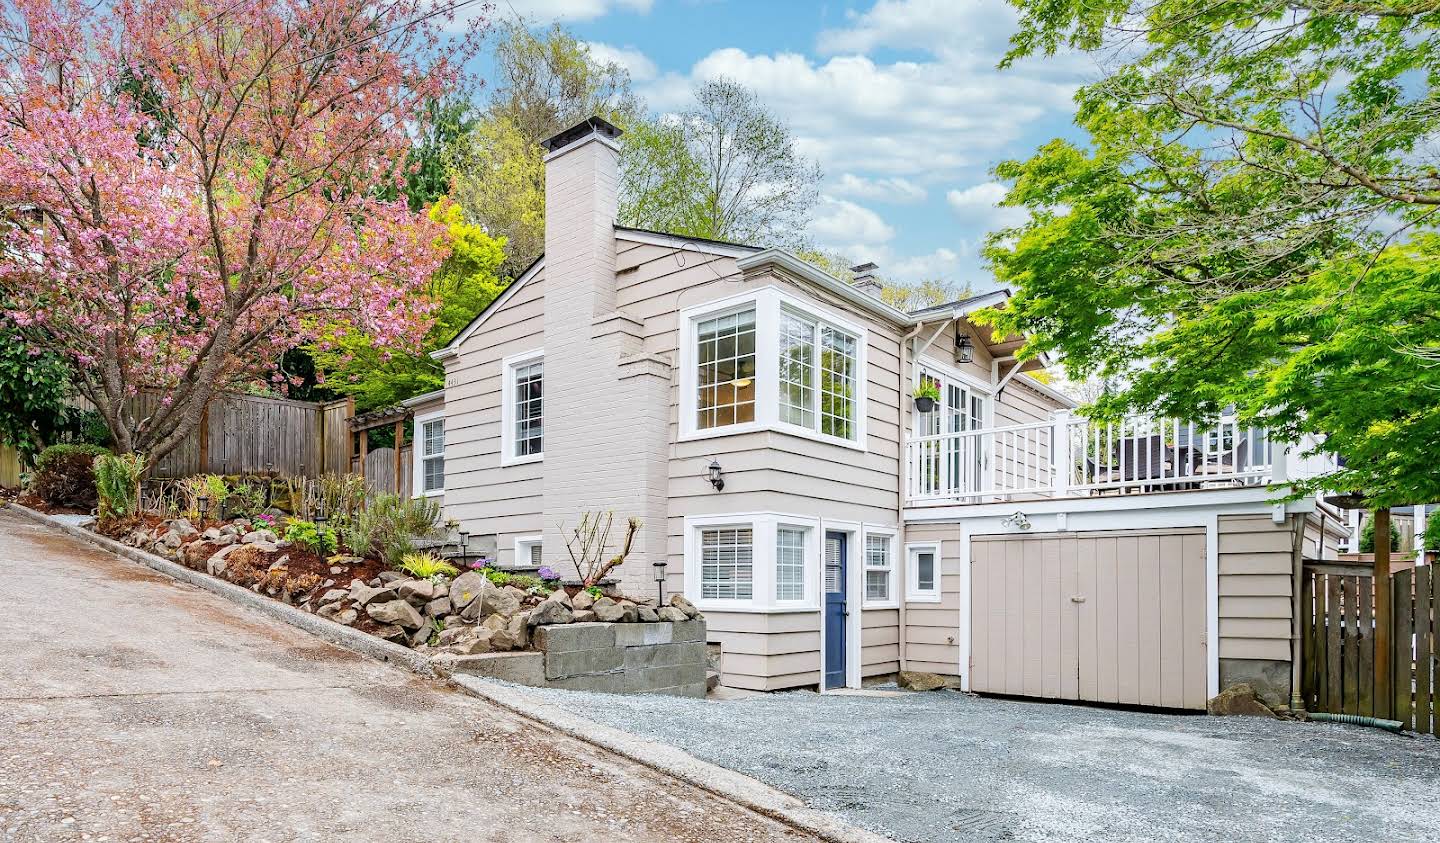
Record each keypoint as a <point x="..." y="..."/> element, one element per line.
<point x="1077" y="598"/>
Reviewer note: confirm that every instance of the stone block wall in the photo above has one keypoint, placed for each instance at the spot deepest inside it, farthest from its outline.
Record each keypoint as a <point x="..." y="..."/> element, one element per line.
<point x="630" y="658"/>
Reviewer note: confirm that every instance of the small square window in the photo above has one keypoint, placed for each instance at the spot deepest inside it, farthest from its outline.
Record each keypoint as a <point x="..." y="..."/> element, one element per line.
<point x="923" y="575"/>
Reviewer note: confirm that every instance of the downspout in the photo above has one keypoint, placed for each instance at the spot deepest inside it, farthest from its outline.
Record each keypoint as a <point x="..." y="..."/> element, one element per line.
<point x="1297" y="591"/>
<point x="904" y="479"/>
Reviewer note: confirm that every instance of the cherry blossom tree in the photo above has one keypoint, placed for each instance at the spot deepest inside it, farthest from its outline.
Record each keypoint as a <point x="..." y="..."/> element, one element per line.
<point x="190" y="187"/>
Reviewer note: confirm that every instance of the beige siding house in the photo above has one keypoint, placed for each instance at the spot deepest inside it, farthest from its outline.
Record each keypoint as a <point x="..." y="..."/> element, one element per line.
<point x="756" y="414"/>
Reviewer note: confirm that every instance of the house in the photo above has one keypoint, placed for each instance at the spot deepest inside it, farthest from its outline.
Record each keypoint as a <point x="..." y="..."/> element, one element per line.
<point x="756" y="414"/>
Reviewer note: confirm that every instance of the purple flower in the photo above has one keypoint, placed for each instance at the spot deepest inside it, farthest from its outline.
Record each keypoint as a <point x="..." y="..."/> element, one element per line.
<point x="547" y="573"/>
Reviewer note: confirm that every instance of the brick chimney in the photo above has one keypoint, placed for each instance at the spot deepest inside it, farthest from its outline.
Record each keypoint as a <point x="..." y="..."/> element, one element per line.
<point x="867" y="279"/>
<point x="606" y="400"/>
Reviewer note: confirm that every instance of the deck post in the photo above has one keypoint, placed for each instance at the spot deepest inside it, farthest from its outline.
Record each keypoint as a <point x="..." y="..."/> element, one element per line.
<point x="1384" y="694"/>
<point x="399" y="442"/>
<point x="1060" y="456"/>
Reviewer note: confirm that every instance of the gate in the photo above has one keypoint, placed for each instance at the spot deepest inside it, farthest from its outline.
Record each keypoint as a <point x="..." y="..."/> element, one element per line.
<point x="1338" y="626"/>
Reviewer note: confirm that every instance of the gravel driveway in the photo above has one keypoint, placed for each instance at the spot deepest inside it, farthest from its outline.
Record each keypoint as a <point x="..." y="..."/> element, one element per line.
<point x="945" y="766"/>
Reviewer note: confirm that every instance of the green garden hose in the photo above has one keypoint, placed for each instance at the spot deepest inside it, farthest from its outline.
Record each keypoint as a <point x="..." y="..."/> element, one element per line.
<point x="1359" y="720"/>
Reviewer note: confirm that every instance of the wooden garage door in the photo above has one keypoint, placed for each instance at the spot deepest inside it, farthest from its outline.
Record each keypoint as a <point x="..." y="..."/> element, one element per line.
<point x="1106" y="617"/>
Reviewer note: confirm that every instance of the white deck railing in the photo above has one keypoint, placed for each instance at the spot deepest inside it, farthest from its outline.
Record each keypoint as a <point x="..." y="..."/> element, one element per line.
<point x="1070" y="455"/>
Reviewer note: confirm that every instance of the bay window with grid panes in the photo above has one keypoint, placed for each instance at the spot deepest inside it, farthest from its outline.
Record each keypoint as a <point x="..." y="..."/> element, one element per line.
<point x="754" y="561"/>
<point x="769" y="360"/>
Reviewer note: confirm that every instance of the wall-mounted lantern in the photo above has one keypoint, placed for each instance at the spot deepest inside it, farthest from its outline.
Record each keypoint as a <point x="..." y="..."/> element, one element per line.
<point x="964" y="349"/>
<point x="717" y="477"/>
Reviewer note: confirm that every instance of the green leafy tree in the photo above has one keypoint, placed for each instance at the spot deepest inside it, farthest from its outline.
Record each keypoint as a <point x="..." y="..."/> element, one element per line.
<point x="464" y="285"/>
<point x="543" y="83"/>
<point x="1247" y="224"/>
<point x="34" y="413"/>
<point x="725" y="169"/>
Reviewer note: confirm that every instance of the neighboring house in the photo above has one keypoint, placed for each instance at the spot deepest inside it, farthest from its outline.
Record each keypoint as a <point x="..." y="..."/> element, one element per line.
<point x="756" y="414"/>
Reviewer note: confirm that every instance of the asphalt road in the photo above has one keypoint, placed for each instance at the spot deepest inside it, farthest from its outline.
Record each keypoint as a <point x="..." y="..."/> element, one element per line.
<point x="136" y="708"/>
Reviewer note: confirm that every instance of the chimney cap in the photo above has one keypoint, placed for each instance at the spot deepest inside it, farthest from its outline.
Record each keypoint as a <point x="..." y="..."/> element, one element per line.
<point x="593" y="125"/>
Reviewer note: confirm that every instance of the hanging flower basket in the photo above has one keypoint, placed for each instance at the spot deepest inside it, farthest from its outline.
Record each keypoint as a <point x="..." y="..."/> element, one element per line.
<point x="925" y="404"/>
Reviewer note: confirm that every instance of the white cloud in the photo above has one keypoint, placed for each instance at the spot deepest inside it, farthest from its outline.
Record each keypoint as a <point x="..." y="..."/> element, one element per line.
<point x="640" y="66"/>
<point x="852" y="230"/>
<point x="896" y="190"/>
<point x="954" y="27"/>
<point x="544" y="11"/>
<point x="980" y="204"/>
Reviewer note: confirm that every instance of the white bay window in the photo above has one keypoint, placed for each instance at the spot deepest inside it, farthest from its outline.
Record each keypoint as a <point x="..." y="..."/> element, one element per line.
<point x="766" y="360"/>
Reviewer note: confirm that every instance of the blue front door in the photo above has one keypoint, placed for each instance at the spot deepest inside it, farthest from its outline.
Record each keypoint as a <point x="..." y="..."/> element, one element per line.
<point x="835" y="553"/>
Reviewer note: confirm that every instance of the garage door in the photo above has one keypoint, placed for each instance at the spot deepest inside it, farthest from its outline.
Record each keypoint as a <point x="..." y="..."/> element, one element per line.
<point x="1105" y="617"/>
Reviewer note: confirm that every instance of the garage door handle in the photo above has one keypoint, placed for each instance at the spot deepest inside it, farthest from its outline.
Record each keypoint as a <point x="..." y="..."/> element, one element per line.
<point x="1077" y="598"/>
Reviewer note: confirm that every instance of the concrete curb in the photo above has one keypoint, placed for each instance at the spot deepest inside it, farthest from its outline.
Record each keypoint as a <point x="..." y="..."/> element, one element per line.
<point x="351" y="639"/>
<point x="727" y="784"/>
<point x="663" y="758"/>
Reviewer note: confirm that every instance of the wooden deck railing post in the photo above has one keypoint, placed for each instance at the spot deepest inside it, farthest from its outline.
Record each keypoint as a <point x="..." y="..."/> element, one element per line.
<point x="1384" y="616"/>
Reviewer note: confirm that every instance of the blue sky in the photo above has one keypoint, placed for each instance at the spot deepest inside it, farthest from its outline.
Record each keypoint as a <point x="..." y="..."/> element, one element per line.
<point x="899" y="101"/>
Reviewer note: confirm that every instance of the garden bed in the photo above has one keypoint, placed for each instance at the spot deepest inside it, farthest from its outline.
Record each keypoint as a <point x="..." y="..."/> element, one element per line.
<point x="451" y="613"/>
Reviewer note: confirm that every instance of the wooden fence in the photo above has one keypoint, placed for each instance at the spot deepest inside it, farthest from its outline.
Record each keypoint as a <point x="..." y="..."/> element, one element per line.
<point x="1338" y="625"/>
<point x="9" y="467"/>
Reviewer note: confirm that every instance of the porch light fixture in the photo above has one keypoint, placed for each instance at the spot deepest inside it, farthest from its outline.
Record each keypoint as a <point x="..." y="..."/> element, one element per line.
<point x="717" y="478"/>
<point x="660" y="578"/>
<point x="964" y="349"/>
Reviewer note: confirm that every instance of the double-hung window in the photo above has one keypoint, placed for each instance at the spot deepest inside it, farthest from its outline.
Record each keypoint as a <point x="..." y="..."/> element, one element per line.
<point x="727" y="563"/>
<point x="522" y="417"/>
<point x="766" y="360"/>
<point x="429" y="455"/>
<point x="879" y="568"/>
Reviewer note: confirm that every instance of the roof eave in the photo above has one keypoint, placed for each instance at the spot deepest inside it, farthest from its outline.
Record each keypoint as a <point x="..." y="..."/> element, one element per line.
<point x="813" y="274"/>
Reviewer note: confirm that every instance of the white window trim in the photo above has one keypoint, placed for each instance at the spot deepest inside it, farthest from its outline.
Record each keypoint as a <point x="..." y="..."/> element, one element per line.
<point x="768" y="302"/>
<point x="507" y="407"/>
<point x="417" y="457"/>
<point x="764" y="526"/>
<point x="894" y="589"/>
<point x="950" y="373"/>
<point x="913" y="594"/>
<point x="522" y="550"/>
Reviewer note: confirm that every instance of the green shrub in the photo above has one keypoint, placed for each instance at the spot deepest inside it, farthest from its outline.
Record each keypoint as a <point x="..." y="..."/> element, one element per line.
<point x="1367" y="536"/>
<point x="390" y="524"/>
<point x="1432" y="532"/>
<point x="320" y="541"/>
<point x="427" y="565"/>
<point x="65" y="476"/>
<point x="117" y="482"/>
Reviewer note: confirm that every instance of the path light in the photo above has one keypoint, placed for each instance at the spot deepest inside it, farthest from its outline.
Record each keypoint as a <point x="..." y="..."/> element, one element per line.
<point x="964" y="349"/>
<point x="660" y="579"/>
<point x="717" y="478"/>
<point x="464" y="546"/>
<point x="203" y="502"/>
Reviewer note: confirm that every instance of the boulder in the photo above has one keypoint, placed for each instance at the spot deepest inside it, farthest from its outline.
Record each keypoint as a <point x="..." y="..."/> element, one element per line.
<point x="476" y="641"/>
<point x="465" y="589"/>
<point x="491" y="600"/>
<point x="632" y="613"/>
<point x="586" y="616"/>
<point x="259" y="536"/>
<point x="647" y="614"/>
<point x="211" y="535"/>
<point x="171" y="540"/>
<point x="679" y="602"/>
<point x="914" y="680"/>
<point x="608" y="610"/>
<point x="333" y="595"/>
<point x="1238" y="700"/>
<point x="422" y="635"/>
<point x="450" y="634"/>
<point x="496" y="622"/>
<point x="416" y="591"/>
<point x="215" y="565"/>
<point x="562" y="597"/>
<point x="182" y="526"/>
<point x="501" y="640"/>
<point x="346" y="617"/>
<point x="518" y="593"/>
<point x="581" y="600"/>
<point x="438" y="607"/>
<point x="195" y="553"/>
<point x="672" y="615"/>
<point x="550" y="612"/>
<point x="389" y="577"/>
<point x="393" y="633"/>
<point x="398" y="612"/>
<point x="265" y="547"/>
<point x="279" y="564"/>
<point x="519" y="629"/>
<point x="365" y="595"/>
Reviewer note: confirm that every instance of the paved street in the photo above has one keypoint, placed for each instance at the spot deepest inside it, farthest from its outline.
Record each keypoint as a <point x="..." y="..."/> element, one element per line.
<point x="135" y="708"/>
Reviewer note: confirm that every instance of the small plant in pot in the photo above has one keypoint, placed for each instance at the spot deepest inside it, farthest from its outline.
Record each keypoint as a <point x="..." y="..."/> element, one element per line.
<point x="927" y="395"/>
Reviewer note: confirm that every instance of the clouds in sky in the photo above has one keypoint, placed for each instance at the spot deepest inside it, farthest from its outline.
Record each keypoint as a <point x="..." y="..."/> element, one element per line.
<point x="902" y="106"/>
<point x="571" y="10"/>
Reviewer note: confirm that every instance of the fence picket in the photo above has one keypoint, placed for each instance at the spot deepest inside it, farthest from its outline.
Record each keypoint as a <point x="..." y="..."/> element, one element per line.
<point x="1365" y="649"/>
<point x="1423" y="612"/>
<point x="1335" y="696"/>
<point x="1402" y="604"/>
